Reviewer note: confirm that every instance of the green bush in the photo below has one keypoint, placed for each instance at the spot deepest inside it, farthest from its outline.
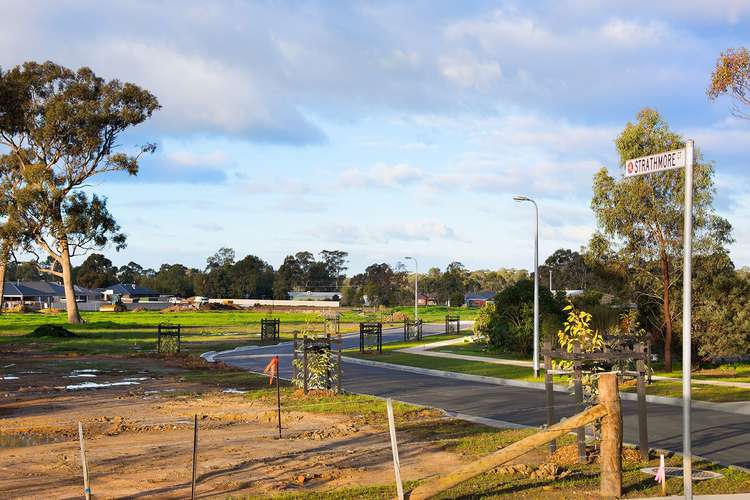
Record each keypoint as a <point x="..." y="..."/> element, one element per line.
<point x="52" y="331"/>
<point x="509" y="322"/>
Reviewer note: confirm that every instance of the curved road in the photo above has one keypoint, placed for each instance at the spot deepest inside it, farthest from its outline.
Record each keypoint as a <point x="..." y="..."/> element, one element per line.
<point x="717" y="435"/>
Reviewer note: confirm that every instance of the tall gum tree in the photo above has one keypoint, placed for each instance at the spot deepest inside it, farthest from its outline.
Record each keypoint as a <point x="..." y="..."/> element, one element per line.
<point x="640" y="219"/>
<point x="731" y="76"/>
<point x="58" y="129"/>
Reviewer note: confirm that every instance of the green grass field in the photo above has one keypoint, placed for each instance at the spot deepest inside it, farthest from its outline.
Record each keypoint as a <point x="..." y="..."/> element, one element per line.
<point x="134" y="332"/>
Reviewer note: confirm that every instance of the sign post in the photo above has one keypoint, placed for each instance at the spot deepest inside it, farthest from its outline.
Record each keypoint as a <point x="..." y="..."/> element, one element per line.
<point x="681" y="158"/>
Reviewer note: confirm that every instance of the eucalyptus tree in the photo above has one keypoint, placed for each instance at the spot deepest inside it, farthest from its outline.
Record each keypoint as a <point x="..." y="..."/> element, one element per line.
<point x="640" y="219"/>
<point x="731" y="76"/>
<point x="58" y="129"/>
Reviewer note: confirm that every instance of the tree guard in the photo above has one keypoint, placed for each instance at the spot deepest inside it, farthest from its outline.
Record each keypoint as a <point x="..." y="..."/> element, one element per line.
<point x="617" y="357"/>
<point x="168" y="339"/>
<point x="412" y="330"/>
<point x="371" y="337"/>
<point x="269" y="329"/>
<point x="316" y="362"/>
<point x="452" y="324"/>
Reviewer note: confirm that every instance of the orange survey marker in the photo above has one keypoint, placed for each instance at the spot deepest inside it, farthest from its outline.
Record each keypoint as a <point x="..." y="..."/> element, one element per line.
<point x="272" y="369"/>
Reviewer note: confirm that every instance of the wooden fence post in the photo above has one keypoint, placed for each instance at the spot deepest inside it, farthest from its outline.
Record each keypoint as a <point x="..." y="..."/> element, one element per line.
<point x="195" y="456"/>
<point x="394" y="449"/>
<point x="611" y="444"/>
<point x="578" y="392"/>
<point x="642" y="418"/>
<point x="549" y="390"/>
<point x="304" y="362"/>
<point x="338" y="366"/>
<point x="84" y="464"/>
<point x="294" y="357"/>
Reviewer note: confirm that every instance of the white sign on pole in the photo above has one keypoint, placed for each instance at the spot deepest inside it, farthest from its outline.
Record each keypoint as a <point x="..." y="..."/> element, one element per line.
<point x="655" y="163"/>
<point x="680" y="158"/>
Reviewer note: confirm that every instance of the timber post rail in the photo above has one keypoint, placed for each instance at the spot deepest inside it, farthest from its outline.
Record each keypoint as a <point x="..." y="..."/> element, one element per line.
<point x="608" y="410"/>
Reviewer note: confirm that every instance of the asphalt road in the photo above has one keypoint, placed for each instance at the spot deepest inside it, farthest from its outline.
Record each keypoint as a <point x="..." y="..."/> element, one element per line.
<point x="719" y="436"/>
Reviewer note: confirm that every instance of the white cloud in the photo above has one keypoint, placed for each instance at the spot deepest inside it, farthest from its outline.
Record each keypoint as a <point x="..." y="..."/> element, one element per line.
<point x="466" y="71"/>
<point x="411" y="231"/>
<point x="635" y="34"/>
<point x="187" y="158"/>
<point x="381" y="175"/>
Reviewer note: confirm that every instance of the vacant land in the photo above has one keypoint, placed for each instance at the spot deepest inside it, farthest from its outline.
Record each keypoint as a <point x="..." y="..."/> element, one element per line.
<point x="139" y="436"/>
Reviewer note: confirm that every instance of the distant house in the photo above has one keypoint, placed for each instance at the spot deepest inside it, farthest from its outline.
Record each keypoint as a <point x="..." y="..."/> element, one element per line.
<point x="332" y="296"/>
<point x="129" y="293"/>
<point x="42" y="293"/>
<point x="427" y="299"/>
<point x="478" y="299"/>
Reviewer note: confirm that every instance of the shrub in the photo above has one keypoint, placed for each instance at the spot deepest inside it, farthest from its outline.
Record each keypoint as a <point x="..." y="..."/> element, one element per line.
<point x="55" y="331"/>
<point x="577" y="328"/>
<point x="509" y="324"/>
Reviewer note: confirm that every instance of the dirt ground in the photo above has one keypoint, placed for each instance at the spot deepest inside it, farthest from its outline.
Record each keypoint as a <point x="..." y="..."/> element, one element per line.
<point x="139" y="436"/>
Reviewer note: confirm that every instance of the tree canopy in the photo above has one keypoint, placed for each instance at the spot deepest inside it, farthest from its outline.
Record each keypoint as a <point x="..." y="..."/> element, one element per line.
<point x="732" y="76"/>
<point x="59" y="128"/>
<point x="640" y="219"/>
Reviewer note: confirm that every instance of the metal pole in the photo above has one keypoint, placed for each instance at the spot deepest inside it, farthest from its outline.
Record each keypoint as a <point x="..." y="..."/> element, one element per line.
<point x="416" y="291"/>
<point x="536" y="292"/>
<point x="687" y="276"/>
<point x="195" y="455"/>
<point x="416" y="288"/>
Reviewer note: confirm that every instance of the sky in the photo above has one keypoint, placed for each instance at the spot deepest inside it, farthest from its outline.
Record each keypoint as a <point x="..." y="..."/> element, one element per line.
<point x="387" y="129"/>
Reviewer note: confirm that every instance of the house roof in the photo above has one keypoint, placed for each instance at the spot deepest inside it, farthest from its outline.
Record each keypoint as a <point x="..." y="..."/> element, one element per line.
<point x="130" y="289"/>
<point x="480" y="296"/>
<point x="40" y="289"/>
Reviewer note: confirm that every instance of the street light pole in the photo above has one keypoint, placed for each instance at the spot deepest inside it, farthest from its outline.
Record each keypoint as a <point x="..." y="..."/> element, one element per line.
<point x="416" y="287"/>
<point x="536" y="282"/>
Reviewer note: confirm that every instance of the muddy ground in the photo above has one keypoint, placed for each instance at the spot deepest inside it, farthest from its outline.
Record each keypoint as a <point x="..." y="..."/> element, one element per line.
<point x="139" y="435"/>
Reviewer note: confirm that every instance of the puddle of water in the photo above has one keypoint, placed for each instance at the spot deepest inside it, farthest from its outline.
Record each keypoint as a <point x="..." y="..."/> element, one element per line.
<point x="82" y="375"/>
<point x="234" y="391"/>
<point x="19" y="440"/>
<point x="135" y="379"/>
<point x="84" y="370"/>
<point x="9" y="377"/>
<point x="96" y="385"/>
<point x="10" y="365"/>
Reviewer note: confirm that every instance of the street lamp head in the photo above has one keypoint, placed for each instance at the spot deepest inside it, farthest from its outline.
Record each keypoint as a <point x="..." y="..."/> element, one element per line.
<point x="409" y="258"/>
<point x="522" y="198"/>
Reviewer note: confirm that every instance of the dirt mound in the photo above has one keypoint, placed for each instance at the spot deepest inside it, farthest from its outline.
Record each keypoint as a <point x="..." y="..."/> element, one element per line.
<point x="568" y="455"/>
<point x="214" y="306"/>
<point x="51" y="310"/>
<point x="399" y="316"/>
<point x="138" y="309"/>
<point x="21" y="308"/>
<point x="52" y="331"/>
<point x="118" y="308"/>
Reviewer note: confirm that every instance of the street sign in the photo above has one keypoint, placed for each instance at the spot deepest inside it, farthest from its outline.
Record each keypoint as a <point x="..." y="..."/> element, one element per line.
<point x="669" y="160"/>
<point x="655" y="163"/>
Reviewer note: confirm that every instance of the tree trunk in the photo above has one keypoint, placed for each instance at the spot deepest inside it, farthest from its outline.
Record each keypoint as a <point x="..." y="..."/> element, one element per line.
<point x="3" y="267"/>
<point x="70" y="294"/>
<point x="4" y="257"/>
<point x="666" y="311"/>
